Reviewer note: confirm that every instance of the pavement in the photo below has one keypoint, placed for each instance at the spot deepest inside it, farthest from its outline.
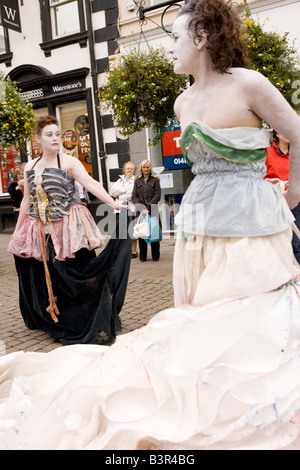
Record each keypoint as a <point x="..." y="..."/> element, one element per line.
<point x="149" y="291"/>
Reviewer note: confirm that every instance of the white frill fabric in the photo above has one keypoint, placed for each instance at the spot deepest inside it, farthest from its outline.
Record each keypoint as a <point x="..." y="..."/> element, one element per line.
<point x="221" y="376"/>
<point x="73" y="231"/>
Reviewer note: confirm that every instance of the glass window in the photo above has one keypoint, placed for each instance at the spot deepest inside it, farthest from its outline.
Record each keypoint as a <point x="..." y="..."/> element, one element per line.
<point x="35" y="148"/>
<point x="65" y="16"/>
<point x="157" y="2"/>
<point x="75" y="132"/>
<point x="10" y="159"/>
<point x="2" y="41"/>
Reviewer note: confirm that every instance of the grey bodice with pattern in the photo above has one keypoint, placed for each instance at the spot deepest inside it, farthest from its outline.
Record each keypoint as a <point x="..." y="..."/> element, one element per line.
<point x="230" y="199"/>
<point x="52" y="193"/>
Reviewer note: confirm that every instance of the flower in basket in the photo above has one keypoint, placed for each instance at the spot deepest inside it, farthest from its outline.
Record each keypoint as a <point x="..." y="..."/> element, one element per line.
<point x="140" y="91"/>
<point x="17" y="117"/>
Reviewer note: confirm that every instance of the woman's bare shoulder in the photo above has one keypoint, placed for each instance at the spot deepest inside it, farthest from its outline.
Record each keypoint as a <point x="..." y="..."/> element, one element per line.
<point x="180" y="100"/>
<point x="249" y="77"/>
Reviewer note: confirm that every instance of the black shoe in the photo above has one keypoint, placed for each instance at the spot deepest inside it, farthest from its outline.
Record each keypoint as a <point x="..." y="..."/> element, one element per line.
<point x="155" y="259"/>
<point x="134" y="255"/>
<point x="143" y="260"/>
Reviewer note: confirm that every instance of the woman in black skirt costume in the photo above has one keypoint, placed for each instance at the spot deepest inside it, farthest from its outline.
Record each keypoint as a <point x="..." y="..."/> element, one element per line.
<point x="65" y="289"/>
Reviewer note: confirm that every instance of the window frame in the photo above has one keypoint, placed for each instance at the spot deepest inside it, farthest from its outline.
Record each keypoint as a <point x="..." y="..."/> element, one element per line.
<point x="49" y="42"/>
<point x="7" y="56"/>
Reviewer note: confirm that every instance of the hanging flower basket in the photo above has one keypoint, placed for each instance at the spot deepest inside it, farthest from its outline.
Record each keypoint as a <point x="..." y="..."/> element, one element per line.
<point x="140" y="91"/>
<point x="17" y="117"/>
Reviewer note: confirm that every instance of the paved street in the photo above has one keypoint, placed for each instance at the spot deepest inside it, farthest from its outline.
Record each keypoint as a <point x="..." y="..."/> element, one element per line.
<point x="149" y="291"/>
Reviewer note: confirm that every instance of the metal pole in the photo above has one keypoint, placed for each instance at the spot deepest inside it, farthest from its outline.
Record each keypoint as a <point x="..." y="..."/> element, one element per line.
<point x="143" y="10"/>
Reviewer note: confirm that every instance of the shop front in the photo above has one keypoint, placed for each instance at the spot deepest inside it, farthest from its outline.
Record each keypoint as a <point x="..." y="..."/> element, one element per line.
<point x="66" y="96"/>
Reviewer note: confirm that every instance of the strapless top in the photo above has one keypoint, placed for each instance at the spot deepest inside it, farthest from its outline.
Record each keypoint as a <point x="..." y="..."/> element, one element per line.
<point x="228" y="196"/>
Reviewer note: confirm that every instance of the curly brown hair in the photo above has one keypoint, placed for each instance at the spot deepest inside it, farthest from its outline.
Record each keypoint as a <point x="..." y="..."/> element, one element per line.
<point x="221" y="21"/>
<point x="45" y="121"/>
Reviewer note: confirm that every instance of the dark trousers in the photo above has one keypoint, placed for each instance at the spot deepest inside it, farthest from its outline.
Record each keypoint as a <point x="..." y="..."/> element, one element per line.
<point x="155" y="250"/>
<point x="296" y="241"/>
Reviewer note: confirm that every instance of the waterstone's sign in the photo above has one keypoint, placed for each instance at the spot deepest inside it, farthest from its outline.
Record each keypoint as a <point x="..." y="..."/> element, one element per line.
<point x="10" y="15"/>
<point x="32" y="95"/>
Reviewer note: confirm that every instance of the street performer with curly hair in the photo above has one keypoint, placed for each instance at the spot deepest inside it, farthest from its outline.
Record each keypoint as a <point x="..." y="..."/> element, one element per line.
<point x="221" y="370"/>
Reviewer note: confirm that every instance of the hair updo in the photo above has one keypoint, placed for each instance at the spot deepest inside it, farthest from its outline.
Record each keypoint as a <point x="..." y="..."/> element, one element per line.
<point x="221" y="21"/>
<point x="45" y="121"/>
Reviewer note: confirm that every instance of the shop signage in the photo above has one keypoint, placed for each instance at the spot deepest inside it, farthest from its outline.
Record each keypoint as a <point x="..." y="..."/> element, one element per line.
<point x="32" y="95"/>
<point x="10" y="14"/>
<point x="67" y="87"/>
<point x="172" y="153"/>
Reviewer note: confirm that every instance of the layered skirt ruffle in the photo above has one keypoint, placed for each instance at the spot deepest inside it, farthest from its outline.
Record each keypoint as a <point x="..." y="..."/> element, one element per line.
<point x="70" y="234"/>
<point x="207" y="268"/>
<point x="218" y="377"/>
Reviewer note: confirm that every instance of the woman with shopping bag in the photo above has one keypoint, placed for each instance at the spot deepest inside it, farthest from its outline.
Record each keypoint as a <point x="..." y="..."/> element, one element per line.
<point x="122" y="190"/>
<point x="145" y="196"/>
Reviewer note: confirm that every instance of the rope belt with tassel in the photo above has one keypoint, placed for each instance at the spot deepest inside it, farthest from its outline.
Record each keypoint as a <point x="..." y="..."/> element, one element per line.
<point x="42" y="200"/>
<point x="52" y="308"/>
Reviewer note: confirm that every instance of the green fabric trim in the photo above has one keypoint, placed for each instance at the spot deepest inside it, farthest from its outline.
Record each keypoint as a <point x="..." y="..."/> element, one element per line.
<point x="228" y="153"/>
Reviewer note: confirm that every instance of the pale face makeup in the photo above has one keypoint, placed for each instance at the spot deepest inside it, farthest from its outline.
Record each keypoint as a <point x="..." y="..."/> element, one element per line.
<point x="50" y="138"/>
<point x="183" y="50"/>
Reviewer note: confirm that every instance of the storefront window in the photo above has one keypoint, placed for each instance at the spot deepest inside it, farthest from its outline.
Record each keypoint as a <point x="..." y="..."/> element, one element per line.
<point x="35" y="149"/>
<point x="75" y="132"/>
<point x="10" y="159"/>
<point x="65" y="16"/>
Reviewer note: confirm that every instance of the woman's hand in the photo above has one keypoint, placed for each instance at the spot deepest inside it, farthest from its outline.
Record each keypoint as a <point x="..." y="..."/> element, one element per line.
<point x="145" y="212"/>
<point x="118" y="205"/>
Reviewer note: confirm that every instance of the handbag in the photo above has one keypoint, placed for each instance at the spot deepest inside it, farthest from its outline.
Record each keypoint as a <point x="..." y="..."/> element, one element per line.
<point x="142" y="227"/>
<point x="155" y="231"/>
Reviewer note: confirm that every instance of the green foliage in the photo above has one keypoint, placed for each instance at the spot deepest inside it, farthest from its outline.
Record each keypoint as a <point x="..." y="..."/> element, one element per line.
<point x="272" y="55"/>
<point x="17" y="117"/>
<point x="141" y="90"/>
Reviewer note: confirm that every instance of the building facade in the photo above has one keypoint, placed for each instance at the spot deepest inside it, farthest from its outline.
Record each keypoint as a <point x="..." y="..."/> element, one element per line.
<point x="58" y="59"/>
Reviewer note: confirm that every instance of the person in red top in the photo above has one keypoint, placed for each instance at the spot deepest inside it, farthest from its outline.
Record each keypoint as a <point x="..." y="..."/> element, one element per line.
<point x="278" y="168"/>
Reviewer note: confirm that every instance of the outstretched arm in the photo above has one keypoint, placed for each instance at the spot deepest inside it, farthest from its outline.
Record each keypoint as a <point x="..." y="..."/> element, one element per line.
<point x="269" y="104"/>
<point x="79" y="173"/>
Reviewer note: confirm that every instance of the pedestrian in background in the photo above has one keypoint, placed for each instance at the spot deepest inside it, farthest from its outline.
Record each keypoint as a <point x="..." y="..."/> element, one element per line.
<point x="16" y="191"/>
<point x="146" y="195"/>
<point x="278" y="169"/>
<point x="122" y="190"/>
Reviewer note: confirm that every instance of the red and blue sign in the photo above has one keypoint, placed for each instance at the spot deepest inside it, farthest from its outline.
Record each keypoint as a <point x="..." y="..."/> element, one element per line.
<point x="172" y="154"/>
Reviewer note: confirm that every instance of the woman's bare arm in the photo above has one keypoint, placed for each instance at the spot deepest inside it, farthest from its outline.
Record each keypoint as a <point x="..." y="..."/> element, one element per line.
<point x="269" y="104"/>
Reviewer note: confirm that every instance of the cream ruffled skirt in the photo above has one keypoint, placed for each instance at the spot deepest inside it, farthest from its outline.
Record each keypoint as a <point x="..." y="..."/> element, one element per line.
<point x="207" y="269"/>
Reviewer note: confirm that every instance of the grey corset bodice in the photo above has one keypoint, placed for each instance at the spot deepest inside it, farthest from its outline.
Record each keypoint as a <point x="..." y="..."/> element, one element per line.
<point x="58" y="193"/>
<point x="228" y="199"/>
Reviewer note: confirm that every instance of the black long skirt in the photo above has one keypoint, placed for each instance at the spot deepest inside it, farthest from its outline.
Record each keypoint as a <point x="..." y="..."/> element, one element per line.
<point x="90" y="292"/>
